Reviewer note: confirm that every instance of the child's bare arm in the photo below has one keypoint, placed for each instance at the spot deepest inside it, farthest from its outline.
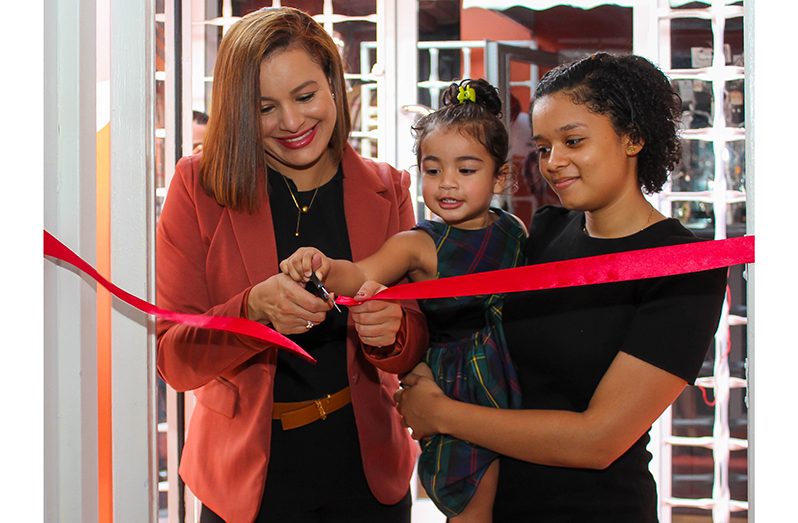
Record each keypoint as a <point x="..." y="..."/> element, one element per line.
<point x="406" y="254"/>
<point x="409" y="253"/>
<point x="345" y="278"/>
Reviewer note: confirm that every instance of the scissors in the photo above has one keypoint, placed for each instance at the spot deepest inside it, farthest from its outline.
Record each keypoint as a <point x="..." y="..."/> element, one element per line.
<point x="315" y="286"/>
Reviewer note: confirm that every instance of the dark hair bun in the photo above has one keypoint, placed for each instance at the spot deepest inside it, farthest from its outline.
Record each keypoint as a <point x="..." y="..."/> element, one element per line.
<point x="485" y="95"/>
<point x="473" y="108"/>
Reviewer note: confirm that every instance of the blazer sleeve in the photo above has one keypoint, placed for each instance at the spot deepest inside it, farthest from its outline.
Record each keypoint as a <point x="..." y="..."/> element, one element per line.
<point x="189" y="357"/>
<point x="412" y="337"/>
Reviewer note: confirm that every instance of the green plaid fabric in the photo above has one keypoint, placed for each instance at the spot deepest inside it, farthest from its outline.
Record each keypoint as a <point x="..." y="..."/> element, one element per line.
<point x="467" y="353"/>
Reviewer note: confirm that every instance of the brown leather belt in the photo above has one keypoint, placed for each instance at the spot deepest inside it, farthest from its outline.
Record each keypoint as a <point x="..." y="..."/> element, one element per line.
<point x="299" y="413"/>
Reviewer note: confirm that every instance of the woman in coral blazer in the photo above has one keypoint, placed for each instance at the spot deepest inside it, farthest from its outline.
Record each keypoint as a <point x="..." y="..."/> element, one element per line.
<point x="274" y="438"/>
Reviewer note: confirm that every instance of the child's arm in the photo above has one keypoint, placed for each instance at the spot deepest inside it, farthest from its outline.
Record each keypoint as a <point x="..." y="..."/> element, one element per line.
<point x="339" y="276"/>
<point x="408" y="253"/>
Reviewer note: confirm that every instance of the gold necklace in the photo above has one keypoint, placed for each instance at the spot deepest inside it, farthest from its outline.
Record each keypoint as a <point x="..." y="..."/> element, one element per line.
<point x="650" y="215"/>
<point x="300" y="209"/>
<point x="648" y="220"/>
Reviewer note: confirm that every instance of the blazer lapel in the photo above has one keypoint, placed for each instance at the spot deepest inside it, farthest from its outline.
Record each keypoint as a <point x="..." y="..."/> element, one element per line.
<point x="254" y="234"/>
<point x="365" y="205"/>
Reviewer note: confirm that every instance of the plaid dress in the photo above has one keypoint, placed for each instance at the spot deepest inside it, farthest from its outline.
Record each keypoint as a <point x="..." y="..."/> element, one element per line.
<point x="467" y="353"/>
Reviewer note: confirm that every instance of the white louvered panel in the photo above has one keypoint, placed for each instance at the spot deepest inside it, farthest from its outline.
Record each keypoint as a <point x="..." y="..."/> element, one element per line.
<point x="720" y="196"/>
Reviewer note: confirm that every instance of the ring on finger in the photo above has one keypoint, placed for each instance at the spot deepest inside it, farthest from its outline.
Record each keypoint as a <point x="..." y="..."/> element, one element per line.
<point x="309" y="325"/>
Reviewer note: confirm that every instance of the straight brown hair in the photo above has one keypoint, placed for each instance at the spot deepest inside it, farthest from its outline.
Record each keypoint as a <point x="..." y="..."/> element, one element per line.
<point x="233" y="159"/>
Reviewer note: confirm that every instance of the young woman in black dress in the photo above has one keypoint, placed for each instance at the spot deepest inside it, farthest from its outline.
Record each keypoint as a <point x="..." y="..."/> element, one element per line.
<point x="597" y="364"/>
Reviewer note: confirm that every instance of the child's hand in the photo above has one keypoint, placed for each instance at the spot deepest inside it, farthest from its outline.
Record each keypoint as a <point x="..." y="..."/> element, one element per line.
<point x="306" y="260"/>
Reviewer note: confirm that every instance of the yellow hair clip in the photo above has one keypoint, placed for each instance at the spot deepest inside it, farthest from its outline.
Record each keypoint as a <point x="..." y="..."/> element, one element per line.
<point x="466" y="93"/>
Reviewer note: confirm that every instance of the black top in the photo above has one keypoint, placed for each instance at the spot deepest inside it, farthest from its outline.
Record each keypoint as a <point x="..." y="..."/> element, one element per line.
<point x="313" y="465"/>
<point x="562" y="341"/>
<point x="323" y="227"/>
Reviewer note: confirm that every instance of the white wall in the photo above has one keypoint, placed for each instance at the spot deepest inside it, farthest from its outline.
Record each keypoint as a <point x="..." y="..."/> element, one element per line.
<point x="774" y="360"/>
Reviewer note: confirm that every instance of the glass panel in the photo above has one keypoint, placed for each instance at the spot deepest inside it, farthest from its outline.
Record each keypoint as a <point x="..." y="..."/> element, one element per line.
<point x="734" y="157"/>
<point x="242" y="7"/>
<point x="697" y="167"/>
<point x="735" y="218"/>
<point x="697" y="103"/>
<point x="733" y="38"/>
<point x="691" y="515"/>
<point x="734" y="103"/>
<point x="692" y="414"/>
<point x="312" y="7"/>
<point x="348" y="36"/>
<point x="739" y="350"/>
<point x="693" y="472"/>
<point x="738" y="333"/>
<point x="350" y="8"/>
<point x="738" y="414"/>
<point x="213" y="36"/>
<point x="531" y="190"/>
<point x="691" y="43"/>
<point x="688" y="4"/>
<point x="738" y="479"/>
<point x="448" y="69"/>
<point x="361" y="95"/>
<point x="694" y="215"/>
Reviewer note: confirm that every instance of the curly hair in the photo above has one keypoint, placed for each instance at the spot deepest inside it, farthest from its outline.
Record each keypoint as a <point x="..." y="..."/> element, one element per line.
<point x="638" y="99"/>
<point x="480" y="118"/>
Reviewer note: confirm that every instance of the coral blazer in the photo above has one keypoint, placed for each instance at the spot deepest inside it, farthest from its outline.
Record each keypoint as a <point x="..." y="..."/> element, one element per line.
<point x="208" y="258"/>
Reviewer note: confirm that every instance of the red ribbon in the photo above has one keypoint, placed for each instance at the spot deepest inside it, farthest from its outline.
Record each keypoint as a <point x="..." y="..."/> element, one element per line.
<point x="606" y="268"/>
<point x="622" y="266"/>
<point x="59" y="251"/>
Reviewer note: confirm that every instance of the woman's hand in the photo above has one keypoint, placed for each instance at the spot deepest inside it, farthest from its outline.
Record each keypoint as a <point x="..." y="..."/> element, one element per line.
<point x="419" y="401"/>
<point x="285" y="304"/>
<point x="376" y="322"/>
<point x="306" y="260"/>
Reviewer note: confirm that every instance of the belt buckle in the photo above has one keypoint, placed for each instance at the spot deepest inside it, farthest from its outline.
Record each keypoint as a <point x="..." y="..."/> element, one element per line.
<point x="320" y="406"/>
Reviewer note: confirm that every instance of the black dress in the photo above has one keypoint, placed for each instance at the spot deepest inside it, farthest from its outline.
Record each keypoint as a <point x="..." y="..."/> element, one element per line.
<point x="562" y="341"/>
